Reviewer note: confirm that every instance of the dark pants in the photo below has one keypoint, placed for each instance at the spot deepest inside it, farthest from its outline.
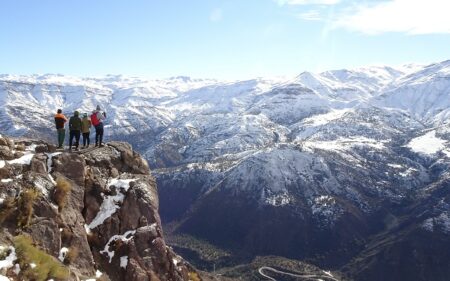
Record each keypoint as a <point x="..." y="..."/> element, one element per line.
<point x="75" y="134"/>
<point x="99" y="134"/>
<point x="61" y="137"/>
<point x="86" y="139"/>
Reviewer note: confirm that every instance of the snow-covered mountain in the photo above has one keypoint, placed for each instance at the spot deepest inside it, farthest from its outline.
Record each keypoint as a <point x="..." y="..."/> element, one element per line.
<point x="333" y="155"/>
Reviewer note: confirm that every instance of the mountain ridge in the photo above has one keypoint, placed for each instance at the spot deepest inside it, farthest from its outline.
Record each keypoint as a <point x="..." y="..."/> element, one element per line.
<point x="326" y="159"/>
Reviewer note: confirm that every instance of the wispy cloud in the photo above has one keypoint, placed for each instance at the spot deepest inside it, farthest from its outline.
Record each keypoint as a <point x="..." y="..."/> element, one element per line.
<point x="307" y="2"/>
<point x="405" y="16"/>
<point x="216" y="15"/>
<point x="312" y="15"/>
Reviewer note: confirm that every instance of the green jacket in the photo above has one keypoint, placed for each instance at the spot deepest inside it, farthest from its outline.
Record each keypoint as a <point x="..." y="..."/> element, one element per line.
<point x="85" y="125"/>
<point x="75" y="123"/>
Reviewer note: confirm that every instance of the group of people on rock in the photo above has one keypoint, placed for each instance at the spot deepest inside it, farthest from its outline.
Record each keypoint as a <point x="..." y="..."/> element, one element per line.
<point x="80" y="127"/>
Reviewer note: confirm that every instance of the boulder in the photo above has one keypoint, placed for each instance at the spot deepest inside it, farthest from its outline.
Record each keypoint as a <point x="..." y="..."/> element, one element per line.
<point x="18" y="154"/>
<point x="11" y="143"/>
<point x="3" y="141"/>
<point x="39" y="164"/>
<point x="5" y="173"/>
<point x="71" y="165"/>
<point x="6" y="153"/>
<point x="134" y="163"/>
<point x="51" y="148"/>
<point x="45" y="233"/>
<point x="42" y="148"/>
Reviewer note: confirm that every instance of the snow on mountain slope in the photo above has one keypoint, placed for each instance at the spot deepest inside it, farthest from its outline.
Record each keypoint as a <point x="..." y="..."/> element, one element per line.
<point x="182" y="124"/>
<point x="309" y="167"/>
<point x="132" y="104"/>
<point x="423" y="94"/>
<point x="289" y="104"/>
<point x="322" y="119"/>
<point x="427" y="144"/>
<point x="350" y="85"/>
<point x="361" y="121"/>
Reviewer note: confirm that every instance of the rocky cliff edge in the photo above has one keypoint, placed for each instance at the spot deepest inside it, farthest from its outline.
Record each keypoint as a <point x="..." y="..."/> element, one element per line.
<point x="89" y="215"/>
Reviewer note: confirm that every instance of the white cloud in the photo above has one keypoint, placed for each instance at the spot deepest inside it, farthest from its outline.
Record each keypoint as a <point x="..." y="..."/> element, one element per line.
<point x="307" y="2"/>
<point x="313" y="15"/>
<point x="216" y="15"/>
<point x="406" y="16"/>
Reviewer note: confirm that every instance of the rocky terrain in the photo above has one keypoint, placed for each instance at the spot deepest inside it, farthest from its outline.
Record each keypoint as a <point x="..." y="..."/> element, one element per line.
<point x="345" y="169"/>
<point x="91" y="215"/>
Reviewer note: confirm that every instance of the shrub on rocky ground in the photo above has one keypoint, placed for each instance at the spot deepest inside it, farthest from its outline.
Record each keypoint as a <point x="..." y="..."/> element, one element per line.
<point x="20" y="147"/>
<point x="194" y="276"/>
<point x="36" y="264"/>
<point x="61" y="192"/>
<point x="7" y="208"/>
<point x="71" y="255"/>
<point x="25" y="206"/>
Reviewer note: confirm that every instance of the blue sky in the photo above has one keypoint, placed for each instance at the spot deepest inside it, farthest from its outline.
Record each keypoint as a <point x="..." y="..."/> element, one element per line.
<point x="231" y="39"/>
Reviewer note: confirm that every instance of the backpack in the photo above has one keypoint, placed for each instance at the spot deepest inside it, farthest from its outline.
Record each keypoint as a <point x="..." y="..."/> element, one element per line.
<point x="94" y="119"/>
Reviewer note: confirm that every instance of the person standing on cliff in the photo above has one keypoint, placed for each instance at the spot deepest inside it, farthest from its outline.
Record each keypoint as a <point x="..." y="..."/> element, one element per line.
<point x="97" y="118"/>
<point x="85" y="130"/>
<point x="60" y="121"/>
<point x="75" y="130"/>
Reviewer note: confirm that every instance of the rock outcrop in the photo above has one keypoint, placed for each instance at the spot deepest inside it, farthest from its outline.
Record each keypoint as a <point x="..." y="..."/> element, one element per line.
<point x="95" y="210"/>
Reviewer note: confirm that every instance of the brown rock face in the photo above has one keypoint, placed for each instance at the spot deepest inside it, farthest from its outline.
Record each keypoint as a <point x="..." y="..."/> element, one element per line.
<point x="39" y="164"/>
<point x="71" y="166"/>
<point x="6" y="153"/>
<point x="108" y="218"/>
<point x="3" y="142"/>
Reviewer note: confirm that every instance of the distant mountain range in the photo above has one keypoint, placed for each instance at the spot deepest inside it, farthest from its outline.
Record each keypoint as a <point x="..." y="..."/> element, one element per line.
<point x="347" y="169"/>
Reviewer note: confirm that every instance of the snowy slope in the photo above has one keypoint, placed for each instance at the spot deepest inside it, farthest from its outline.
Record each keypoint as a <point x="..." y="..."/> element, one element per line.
<point x="309" y="166"/>
<point x="422" y="94"/>
<point x="272" y="138"/>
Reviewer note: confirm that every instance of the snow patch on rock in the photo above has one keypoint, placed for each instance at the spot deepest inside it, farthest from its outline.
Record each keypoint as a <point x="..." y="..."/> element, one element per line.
<point x="278" y="200"/>
<point x="24" y="160"/>
<point x="8" y="262"/>
<point x="427" y="144"/>
<point x="124" y="261"/>
<point x="16" y="269"/>
<point x="446" y="152"/>
<point x="63" y="253"/>
<point x="441" y="222"/>
<point x="126" y="237"/>
<point x="111" y="203"/>
<point x="50" y="160"/>
<point x="343" y="144"/>
<point x="322" y="119"/>
<point x="326" y="210"/>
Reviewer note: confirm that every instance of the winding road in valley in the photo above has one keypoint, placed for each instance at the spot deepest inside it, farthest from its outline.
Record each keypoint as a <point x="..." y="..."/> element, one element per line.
<point x="325" y="276"/>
